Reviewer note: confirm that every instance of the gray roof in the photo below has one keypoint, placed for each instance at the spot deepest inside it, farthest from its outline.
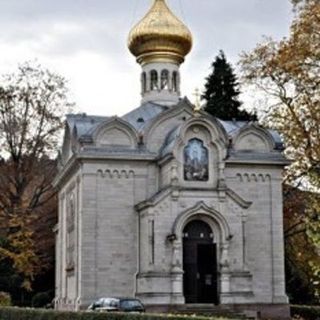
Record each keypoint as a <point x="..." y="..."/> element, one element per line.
<point x="170" y="141"/>
<point x="86" y="125"/>
<point x="83" y="123"/>
<point x="277" y="138"/>
<point x="140" y="116"/>
<point x="232" y="128"/>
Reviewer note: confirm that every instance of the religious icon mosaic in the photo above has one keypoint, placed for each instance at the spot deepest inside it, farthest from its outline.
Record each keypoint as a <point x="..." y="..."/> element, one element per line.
<point x="196" y="161"/>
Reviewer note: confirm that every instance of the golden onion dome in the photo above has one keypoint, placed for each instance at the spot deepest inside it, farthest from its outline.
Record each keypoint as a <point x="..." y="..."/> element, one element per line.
<point x="160" y="36"/>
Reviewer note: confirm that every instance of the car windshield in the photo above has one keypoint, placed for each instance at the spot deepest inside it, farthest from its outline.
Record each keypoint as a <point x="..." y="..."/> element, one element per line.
<point x="130" y="304"/>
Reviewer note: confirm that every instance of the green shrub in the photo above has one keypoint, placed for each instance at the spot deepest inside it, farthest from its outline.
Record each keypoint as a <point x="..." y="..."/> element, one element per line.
<point x="5" y="299"/>
<point x="305" y="312"/>
<point x="41" y="314"/>
<point x="41" y="299"/>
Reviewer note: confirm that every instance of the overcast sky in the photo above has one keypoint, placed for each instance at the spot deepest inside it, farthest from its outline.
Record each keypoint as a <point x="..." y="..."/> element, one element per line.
<point x="86" y="41"/>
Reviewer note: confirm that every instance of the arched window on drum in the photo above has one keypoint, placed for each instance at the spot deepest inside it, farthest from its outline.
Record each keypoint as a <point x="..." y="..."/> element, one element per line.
<point x="164" y="79"/>
<point x="175" y="81"/>
<point x="144" y="82"/>
<point x="153" y="80"/>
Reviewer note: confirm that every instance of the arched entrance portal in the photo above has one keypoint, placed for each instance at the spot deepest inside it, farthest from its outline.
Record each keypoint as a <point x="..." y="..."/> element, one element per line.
<point x="199" y="263"/>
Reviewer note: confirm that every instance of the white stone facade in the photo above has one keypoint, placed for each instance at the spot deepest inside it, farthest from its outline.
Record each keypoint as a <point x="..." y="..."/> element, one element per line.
<point x="124" y="203"/>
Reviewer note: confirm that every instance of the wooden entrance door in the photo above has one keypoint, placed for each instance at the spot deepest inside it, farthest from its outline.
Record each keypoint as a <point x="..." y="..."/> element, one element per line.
<point x="199" y="263"/>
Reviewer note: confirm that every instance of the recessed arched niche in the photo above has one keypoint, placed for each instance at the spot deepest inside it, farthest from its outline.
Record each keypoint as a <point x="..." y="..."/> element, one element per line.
<point x="200" y="148"/>
<point x="195" y="161"/>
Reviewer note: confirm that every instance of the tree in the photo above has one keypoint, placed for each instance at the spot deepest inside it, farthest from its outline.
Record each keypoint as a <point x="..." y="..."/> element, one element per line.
<point x="299" y="3"/>
<point x="286" y="73"/>
<point x="302" y="255"/>
<point x="33" y="102"/>
<point x="222" y="92"/>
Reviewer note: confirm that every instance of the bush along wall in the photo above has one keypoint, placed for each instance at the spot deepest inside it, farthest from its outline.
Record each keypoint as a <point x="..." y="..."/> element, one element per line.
<point x="5" y="299"/>
<point x="41" y="314"/>
<point x="305" y="312"/>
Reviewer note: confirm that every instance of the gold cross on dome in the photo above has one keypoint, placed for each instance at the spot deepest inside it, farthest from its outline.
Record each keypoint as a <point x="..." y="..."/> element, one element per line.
<point x="197" y="104"/>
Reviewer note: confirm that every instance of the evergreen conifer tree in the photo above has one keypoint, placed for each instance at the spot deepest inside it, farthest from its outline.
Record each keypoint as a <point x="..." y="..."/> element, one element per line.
<point x="222" y="91"/>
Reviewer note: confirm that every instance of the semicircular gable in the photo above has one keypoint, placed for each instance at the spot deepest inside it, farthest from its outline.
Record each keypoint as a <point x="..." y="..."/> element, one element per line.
<point x="160" y="126"/>
<point x="206" y="129"/>
<point x="115" y="132"/>
<point x="209" y="126"/>
<point x="253" y="138"/>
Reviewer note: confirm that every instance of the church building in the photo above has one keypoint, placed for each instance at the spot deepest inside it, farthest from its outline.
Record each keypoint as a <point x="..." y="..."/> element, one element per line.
<point x="167" y="203"/>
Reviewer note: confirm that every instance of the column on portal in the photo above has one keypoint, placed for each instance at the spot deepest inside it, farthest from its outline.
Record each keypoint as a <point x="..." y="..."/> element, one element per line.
<point x="177" y="296"/>
<point x="177" y="273"/>
<point x="225" y="294"/>
<point x="225" y="274"/>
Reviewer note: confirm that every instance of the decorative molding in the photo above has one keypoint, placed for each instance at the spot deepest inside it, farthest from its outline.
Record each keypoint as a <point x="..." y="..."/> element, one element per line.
<point x="256" y="131"/>
<point x="154" y="274"/>
<point x="71" y="186"/>
<point x="238" y="199"/>
<point x="152" y="201"/>
<point x="213" y="126"/>
<point x="201" y="209"/>
<point x="116" y="174"/>
<point x="253" y="177"/>
<point x="70" y="269"/>
<point x="183" y="106"/>
<point x="176" y="191"/>
<point x="120" y="124"/>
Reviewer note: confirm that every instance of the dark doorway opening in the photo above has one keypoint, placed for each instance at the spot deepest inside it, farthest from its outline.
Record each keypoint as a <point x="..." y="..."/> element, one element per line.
<point x="199" y="264"/>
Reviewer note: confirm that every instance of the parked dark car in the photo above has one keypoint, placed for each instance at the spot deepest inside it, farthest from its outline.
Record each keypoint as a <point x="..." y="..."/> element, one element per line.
<point x="117" y="304"/>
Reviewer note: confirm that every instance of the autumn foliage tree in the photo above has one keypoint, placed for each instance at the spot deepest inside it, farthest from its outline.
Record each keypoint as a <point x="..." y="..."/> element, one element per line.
<point x="302" y="256"/>
<point x="33" y="102"/>
<point x="287" y="73"/>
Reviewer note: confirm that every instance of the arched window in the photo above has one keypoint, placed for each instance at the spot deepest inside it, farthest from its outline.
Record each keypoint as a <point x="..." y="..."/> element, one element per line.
<point x="196" y="161"/>
<point x="144" y="82"/>
<point x="175" y="81"/>
<point x="164" y="79"/>
<point x="153" y="80"/>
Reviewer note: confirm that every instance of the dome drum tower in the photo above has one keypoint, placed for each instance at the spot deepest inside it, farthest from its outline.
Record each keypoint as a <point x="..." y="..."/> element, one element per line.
<point x="160" y="83"/>
<point x="160" y="42"/>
